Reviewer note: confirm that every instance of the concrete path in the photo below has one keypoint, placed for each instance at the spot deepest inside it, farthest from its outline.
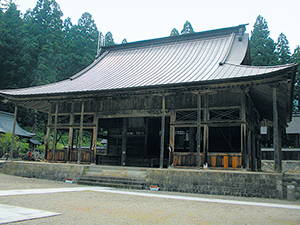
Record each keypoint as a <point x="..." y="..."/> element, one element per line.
<point x="34" y="201"/>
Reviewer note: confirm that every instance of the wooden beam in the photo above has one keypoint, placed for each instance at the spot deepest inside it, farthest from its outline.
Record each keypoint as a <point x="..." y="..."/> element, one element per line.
<point x="198" y="130"/>
<point x="129" y="113"/>
<point x="80" y="132"/>
<point x="55" y="132"/>
<point x="124" y="141"/>
<point x="277" y="134"/>
<point x="162" y="137"/>
<point x="13" y="134"/>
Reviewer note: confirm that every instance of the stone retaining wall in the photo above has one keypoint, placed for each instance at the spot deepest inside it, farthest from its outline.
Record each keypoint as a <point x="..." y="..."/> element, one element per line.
<point x="219" y="182"/>
<point x="49" y="171"/>
<point x="234" y="183"/>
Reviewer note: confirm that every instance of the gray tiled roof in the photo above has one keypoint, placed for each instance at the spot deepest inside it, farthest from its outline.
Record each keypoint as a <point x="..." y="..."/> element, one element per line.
<point x="189" y="61"/>
<point x="6" y="125"/>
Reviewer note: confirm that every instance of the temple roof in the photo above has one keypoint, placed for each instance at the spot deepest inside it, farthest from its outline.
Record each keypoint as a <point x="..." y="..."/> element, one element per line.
<point x="6" y="125"/>
<point x="206" y="58"/>
<point x="202" y="57"/>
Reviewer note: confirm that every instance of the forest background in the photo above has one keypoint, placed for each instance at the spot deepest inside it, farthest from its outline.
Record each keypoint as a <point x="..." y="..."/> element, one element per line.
<point x="40" y="47"/>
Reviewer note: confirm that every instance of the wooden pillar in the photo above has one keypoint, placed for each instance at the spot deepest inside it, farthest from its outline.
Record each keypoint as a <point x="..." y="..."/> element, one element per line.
<point x="80" y="132"/>
<point x="172" y="137"/>
<point x="206" y="130"/>
<point x="277" y="135"/>
<point x="244" y="144"/>
<point x="146" y="136"/>
<point x="243" y="117"/>
<point x="205" y="144"/>
<point x="162" y="137"/>
<point x="253" y="152"/>
<point x="191" y="139"/>
<point x="124" y="141"/>
<point x="198" y="130"/>
<point x="71" y="132"/>
<point x="55" y="132"/>
<point x="248" y="158"/>
<point x="13" y="134"/>
<point x="48" y="132"/>
<point x="95" y="136"/>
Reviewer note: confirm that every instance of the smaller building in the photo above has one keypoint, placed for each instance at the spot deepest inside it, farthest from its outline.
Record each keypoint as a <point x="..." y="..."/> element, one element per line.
<point x="7" y="123"/>
<point x="6" y="126"/>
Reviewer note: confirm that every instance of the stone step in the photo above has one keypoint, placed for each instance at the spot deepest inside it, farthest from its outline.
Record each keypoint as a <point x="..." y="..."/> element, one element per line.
<point x="120" y="182"/>
<point x="117" y="171"/>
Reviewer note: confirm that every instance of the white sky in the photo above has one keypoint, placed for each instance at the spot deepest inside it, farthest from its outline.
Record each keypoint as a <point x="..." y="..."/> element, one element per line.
<point x="138" y="20"/>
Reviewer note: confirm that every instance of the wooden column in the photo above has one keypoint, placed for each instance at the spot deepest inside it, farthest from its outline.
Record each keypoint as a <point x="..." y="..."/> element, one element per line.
<point x="206" y="130"/>
<point x="124" y="141"/>
<point x="71" y="132"/>
<point x="248" y="158"/>
<point x="172" y="136"/>
<point x="48" y="132"/>
<point x="55" y="133"/>
<point x="80" y="132"/>
<point x="95" y="136"/>
<point x="277" y="134"/>
<point x="13" y="134"/>
<point x="244" y="144"/>
<point x="198" y="130"/>
<point x="253" y="149"/>
<point x="243" y="117"/>
<point x="146" y="136"/>
<point x="162" y="137"/>
<point x="191" y="139"/>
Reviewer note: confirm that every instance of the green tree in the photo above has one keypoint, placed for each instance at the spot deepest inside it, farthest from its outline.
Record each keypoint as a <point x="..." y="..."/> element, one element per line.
<point x="262" y="47"/>
<point x="174" y="32"/>
<point x="283" y="49"/>
<point x="109" y="40"/>
<point x="5" y="142"/>
<point x="12" y="58"/>
<point x="44" y="24"/>
<point x="187" y="28"/>
<point x="296" y="59"/>
<point x="80" y="45"/>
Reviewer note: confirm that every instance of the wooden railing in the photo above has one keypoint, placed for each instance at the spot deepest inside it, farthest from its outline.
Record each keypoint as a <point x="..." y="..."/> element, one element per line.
<point x="61" y="155"/>
<point x="222" y="160"/>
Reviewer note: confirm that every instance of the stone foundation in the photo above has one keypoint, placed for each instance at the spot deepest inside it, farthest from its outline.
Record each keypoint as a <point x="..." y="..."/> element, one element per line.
<point x="49" y="171"/>
<point x="234" y="183"/>
<point x="204" y="181"/>
<point x="288" y="166"/>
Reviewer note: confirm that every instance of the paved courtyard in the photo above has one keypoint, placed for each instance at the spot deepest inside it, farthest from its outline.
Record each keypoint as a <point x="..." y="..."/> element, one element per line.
<point x="35" y="201"/>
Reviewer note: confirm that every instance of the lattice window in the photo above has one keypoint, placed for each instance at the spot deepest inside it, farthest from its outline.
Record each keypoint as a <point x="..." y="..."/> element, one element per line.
<point x="61" y="119"/>
<point x="225" y="114"/>
<point x="186" y="116"/>
<point x="86" y="119"/>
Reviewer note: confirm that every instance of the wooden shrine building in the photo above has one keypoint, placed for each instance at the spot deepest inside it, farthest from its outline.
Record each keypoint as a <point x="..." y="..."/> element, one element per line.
<point x="183" y="101"/>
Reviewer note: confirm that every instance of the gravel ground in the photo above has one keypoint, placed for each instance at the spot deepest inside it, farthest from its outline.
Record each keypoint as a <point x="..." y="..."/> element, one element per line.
<point x="90" y="207"/>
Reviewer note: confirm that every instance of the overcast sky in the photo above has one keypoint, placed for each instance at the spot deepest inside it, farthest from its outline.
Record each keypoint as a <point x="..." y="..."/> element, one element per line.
<point x="138" y="20"/>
